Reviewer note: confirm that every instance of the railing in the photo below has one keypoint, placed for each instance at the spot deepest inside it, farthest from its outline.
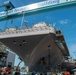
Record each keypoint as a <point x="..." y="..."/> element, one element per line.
<point x="32" y="29"/>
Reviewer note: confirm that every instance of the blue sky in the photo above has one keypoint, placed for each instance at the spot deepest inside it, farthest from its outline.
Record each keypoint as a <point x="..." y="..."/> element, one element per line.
<point x="65" y="20"/>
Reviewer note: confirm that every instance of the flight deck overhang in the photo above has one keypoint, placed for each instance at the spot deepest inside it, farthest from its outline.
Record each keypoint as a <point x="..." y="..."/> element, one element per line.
<point x="27" y="32"/>
<point x="36" y="31"/>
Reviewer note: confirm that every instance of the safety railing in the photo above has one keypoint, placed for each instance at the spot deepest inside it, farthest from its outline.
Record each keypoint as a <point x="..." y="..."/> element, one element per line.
<point x="25" y="30"/>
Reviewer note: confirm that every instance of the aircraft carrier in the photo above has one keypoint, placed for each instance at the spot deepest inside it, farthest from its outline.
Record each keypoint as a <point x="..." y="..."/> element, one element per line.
<point x="41" y="46"/>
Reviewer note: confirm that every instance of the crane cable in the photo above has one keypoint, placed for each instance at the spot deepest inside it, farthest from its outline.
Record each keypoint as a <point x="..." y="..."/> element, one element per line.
<point x="5" y="26"/>
<point x="73" y="53"/>
<point x="22" y="20"/>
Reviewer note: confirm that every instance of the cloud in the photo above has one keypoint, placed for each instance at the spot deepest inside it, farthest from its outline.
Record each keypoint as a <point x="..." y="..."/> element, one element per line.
<point x="66" y="21"/>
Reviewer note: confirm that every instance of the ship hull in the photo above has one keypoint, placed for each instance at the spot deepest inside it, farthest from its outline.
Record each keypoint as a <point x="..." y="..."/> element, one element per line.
<point x="37" y="51"/>
<point x="41" y="47"/>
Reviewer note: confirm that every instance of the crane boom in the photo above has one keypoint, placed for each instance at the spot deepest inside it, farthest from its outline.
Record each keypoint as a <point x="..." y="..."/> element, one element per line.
<point x="36" y="8"/>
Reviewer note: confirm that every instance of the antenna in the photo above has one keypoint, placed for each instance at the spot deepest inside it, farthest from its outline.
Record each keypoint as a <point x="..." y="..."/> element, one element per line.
<point x="54" y="24"/>
<point x="25" y="24"/>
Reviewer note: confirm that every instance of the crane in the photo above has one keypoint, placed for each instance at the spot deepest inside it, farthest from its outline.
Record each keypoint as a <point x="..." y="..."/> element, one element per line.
<point x="34" y="8"/>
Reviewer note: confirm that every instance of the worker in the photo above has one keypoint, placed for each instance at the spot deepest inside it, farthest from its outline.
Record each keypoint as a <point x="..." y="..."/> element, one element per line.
<point x="9" y="69"/>
<point x="17" y="71"/>
<point x="4" y="71"/>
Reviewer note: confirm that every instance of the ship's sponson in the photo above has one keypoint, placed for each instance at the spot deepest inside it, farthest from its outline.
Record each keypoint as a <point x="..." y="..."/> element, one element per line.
<point x="40" y="47"/>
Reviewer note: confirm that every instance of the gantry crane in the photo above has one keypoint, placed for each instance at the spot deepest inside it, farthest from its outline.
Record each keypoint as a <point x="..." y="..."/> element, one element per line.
<point x="11" y="12"/>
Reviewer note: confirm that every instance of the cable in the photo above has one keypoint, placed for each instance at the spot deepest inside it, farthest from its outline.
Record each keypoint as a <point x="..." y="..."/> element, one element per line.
<point x="73" y="53"/>
<point x="5" y="25"/>
<point x="22" y="20"/>
<point x="6" y="21"/>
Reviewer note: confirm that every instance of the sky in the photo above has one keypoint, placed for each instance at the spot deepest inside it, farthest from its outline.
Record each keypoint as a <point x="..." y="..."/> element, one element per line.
<point x="65" y="20"/>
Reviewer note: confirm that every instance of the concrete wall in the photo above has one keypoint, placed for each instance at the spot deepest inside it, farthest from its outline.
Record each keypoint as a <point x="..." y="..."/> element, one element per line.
<point x="10" y="59"/>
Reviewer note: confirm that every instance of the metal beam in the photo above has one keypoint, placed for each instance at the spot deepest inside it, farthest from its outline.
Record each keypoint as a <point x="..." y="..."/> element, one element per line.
<point x="37" y="8"/>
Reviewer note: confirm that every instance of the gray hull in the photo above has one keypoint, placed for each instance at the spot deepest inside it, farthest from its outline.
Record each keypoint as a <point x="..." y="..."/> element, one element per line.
<point x="38" y="51"/>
